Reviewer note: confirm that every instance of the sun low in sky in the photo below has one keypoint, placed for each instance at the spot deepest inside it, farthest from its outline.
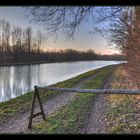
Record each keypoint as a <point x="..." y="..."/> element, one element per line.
<point x="82" y="41"/>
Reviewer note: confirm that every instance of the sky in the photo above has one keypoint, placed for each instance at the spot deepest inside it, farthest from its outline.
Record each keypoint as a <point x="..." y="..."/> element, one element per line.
<point x="82" y="41"/>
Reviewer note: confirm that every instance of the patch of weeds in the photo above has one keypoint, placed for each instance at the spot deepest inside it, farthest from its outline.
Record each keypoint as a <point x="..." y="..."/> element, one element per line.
<point x="122" y="116"/>
<point x="117" y="129"/>
<point x="71" y="118"/>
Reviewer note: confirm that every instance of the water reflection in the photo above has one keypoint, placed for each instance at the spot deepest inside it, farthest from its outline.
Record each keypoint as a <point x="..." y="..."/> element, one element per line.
<point x="17" y="80"/>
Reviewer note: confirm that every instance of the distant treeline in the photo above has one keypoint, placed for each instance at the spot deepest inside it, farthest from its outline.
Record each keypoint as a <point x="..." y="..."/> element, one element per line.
<point x="19" y="45"/>
<point x="74" y="55"/>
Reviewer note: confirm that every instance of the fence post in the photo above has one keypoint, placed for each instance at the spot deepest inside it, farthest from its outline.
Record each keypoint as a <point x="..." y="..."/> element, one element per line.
<point x="32" y="108"/>
<point x="40" y="103"/>
<point x="32" y="115"/>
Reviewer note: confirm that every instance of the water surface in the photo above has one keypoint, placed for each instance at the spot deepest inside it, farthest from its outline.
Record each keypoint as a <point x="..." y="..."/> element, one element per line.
<point x="17" y="80"/>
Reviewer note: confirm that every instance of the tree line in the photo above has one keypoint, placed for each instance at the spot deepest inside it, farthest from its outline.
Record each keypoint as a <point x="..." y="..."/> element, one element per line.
<point x="21" y="45"/>
<point x="74" y="55"/>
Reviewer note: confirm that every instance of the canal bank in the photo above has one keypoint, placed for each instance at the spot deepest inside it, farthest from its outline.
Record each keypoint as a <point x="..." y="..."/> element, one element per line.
<point x="20" y="105"/>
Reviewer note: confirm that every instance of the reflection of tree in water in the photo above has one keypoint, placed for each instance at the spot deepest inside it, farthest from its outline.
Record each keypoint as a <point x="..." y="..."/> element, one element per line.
<point x="5" y="88"/>
<point x="14" y="81"/>
<point x="35" y="75"/>
<point x="24" y="78"/>
<point x="17" y="84"/>
<point x="28" y="77"/>
<point x="18" y="80"/>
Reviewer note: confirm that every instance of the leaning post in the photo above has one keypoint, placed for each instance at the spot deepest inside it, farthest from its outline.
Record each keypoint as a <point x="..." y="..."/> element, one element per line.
<point x="32" y="107"/>
<point x="32" y="115"/>
<point x="40" y="103"/>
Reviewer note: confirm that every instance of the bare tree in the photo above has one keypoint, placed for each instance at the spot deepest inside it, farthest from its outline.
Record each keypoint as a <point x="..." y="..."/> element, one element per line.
<point x="60" y="18"/>
<point x="39" y="41"/>
<point x="28" y="32"/>
<point x="5" y="39"/>
<point x="1" y="46"/>
<point x="125" y="32"/>
<point x="17" y="42"/>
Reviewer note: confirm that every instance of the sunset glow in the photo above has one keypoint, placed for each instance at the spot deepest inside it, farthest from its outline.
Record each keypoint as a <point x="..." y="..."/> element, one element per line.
<point x="83" y="40"/>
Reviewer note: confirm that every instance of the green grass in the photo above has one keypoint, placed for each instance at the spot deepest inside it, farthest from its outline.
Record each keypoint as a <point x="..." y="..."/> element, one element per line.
<point x="68" y="119"/>
<point x="97" y="81"/>
<point x="71" y="82"/>
<point x="120" y="109"/>
<point x="123" y="115"/>
<point x="71" y="118"/>
<point x="22" y="103"/>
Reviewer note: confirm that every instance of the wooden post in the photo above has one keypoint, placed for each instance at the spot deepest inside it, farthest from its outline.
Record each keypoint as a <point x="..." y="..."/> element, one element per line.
<point x="32" y="115"/>
<point x="32" y="109"/>
<point x="40" y="103"/>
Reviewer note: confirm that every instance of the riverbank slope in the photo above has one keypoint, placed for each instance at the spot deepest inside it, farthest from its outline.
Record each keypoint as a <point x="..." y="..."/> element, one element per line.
<point x="73" y="112"/>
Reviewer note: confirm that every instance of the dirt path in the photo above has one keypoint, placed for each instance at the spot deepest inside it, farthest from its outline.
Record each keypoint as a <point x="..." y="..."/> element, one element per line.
<point x="19" y="124"/>
<point x="97" y="122"/>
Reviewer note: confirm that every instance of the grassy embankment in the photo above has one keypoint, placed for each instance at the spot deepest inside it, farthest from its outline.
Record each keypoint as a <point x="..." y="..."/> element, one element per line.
<point x="22" y="103"/>
<point x="71" y="118"/>
<point x="124" y="114"/>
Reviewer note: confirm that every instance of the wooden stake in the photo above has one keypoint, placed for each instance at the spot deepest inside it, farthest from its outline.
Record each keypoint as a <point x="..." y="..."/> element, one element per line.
<point x="32" y="115"/>
<point x="40" y="104"/>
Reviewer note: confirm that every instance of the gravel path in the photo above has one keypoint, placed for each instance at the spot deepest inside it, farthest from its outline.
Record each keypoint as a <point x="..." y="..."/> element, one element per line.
<point x="97" y="122"/>
<point x="18" y="124"/>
